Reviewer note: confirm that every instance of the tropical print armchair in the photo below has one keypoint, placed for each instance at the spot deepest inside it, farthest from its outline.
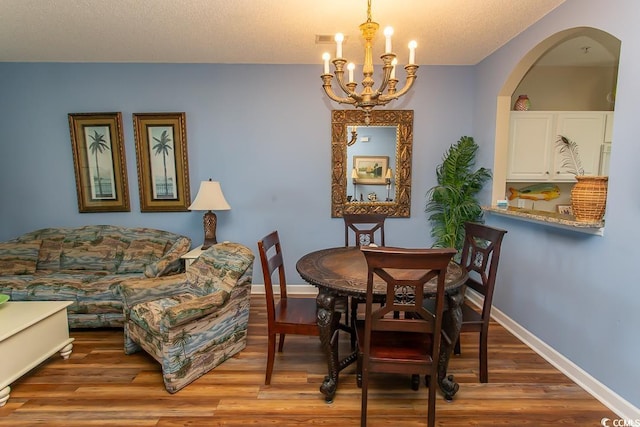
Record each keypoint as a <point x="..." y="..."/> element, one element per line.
<point x="194" y="321"/>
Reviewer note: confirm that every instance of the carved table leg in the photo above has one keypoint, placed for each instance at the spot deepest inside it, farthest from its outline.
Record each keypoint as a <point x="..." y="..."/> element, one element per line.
<point x="328" y="324"/>
<point x="451" y="323"/>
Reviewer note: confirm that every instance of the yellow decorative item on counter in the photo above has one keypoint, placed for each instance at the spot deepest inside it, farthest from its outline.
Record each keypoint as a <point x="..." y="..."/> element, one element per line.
<point x="544" y="191"/>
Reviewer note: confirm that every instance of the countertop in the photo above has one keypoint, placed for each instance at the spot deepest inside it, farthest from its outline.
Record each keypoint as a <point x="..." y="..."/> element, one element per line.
<point x="548" y="218"/>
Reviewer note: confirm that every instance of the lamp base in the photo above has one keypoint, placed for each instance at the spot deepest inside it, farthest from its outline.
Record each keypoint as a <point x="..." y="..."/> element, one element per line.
<point x="210" y="221"/>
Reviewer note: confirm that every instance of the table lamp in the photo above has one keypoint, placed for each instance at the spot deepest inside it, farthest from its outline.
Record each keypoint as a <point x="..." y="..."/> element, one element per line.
<point x="209" y="198"/>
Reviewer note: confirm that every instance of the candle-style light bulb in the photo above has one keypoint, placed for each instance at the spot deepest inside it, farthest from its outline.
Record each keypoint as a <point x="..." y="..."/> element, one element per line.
<point x="325" y="58"/>
<point x="412" y="51"/>
<point x="339" y="39"/>
<point x="351" y="67"/>
<point x="388" y="32"/>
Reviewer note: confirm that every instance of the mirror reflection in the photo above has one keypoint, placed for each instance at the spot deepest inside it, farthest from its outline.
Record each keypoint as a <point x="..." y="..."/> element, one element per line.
<point x="371" y="164"/>
<point x="371" y="153"/>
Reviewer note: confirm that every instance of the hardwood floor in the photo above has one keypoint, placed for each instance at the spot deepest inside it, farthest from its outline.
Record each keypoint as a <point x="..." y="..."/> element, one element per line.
<point x="101" y="386"/>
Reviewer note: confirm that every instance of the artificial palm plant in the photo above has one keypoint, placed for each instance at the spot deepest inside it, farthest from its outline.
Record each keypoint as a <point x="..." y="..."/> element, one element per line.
<point x="453" y="201"/>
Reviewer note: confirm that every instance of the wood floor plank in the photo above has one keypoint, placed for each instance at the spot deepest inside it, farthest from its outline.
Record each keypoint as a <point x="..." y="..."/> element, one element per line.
<point x="101" y="386"/>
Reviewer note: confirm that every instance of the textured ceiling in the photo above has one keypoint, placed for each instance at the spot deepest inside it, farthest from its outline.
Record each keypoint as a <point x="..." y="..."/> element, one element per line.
<point x="449" y="32"/>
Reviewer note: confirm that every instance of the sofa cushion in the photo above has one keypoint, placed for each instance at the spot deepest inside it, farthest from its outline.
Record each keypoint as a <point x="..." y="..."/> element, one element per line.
<point x="149" y="314"/>
<point x="103" y="253"/>
<point x="19" y="257"/>
<point x="140" y="253"/>
<point x="49" y="256"/>
<point x="81" y="286"/>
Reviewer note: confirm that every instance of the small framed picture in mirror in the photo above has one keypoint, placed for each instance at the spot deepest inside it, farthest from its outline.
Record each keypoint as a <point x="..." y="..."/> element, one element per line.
<point x="370" y="169"/>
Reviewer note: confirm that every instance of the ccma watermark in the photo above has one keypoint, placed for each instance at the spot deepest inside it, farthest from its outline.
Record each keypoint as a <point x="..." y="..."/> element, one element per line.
<point x="619" y="422"/>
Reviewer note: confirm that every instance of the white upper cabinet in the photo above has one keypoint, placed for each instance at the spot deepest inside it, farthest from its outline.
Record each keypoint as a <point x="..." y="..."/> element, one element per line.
<point x="530" y="146"/>
<point x="587" y="130"/>
<point x="533" y="153"/>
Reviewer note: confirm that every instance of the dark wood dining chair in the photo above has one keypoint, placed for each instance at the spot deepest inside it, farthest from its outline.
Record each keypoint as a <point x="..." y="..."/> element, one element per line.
<point x="480" y="257"/>
<point x="364" y="228"/>
<point x="410" y="342"/>
<point x="295" y="316"/>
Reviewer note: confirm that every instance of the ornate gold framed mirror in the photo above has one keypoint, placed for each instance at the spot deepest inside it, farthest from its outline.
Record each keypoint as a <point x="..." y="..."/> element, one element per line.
<point x="387" y="166"/>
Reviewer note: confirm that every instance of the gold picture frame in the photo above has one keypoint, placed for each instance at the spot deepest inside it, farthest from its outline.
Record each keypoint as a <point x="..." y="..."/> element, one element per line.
<point x="342" y="169"/>
<point x="163" y="167"/>
<point x="99" y="162"/>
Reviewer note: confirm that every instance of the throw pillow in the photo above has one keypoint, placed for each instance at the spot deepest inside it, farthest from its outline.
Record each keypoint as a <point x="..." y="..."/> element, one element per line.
<point x="19" y="257"/>
<point x="141" y="253"/>
<point x="218" y="268"/>
<point x="49" y="256"/>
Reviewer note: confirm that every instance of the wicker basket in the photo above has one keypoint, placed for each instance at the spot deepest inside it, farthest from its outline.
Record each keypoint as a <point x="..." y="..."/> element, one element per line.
<point x="589" y="198"/>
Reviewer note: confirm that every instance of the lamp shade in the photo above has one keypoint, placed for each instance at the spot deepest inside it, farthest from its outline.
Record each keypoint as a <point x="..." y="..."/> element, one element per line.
<point x="389" y="174"/>
<point x="354" y="173"/>
<point x="210" y="198"/>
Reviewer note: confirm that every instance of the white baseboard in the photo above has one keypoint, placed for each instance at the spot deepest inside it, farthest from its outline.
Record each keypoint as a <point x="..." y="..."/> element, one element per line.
<point x="608" y="397"/>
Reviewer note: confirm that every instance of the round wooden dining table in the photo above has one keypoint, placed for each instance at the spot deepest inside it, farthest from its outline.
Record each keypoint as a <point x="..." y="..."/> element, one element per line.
<point x="342" y="271"/>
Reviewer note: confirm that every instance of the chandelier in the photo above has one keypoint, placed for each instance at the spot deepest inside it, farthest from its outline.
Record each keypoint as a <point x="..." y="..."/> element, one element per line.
<point x="368" y="98"/>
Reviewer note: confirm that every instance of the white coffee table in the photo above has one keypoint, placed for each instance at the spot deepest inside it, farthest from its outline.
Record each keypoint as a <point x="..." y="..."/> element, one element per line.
<point x="30" y="332"/>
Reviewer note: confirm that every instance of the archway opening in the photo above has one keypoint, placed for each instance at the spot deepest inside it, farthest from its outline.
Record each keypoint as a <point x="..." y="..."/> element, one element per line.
<point x="554" y="70"/>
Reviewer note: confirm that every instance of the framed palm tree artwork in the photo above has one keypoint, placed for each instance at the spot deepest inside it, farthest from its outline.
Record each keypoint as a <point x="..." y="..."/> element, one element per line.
<point x="163" y="167"/>
<point x="99" y="162"/>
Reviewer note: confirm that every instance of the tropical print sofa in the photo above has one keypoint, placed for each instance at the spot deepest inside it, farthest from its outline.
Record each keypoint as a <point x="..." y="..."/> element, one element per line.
<point x="86" y="265"/>
<point x="191" y="322"/>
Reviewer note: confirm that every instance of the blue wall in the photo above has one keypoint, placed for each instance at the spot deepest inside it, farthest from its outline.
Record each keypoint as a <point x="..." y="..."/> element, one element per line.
<point x="263" y="131"/>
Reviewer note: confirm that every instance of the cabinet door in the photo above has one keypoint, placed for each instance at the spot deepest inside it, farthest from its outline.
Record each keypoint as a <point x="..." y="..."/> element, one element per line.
<point x="529" y="155"/>
<point x="587" y="130"/>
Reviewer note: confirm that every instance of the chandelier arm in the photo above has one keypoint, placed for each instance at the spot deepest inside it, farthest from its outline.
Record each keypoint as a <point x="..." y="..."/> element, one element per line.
<point x="386" y="68"/>
<point x="411" y="78"/>
<point x="348" y="88"/>
<point x="329" y="91"/>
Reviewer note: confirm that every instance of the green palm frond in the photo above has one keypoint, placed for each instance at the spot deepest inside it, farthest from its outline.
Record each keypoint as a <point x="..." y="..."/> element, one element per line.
<point x="452" y="202"/>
